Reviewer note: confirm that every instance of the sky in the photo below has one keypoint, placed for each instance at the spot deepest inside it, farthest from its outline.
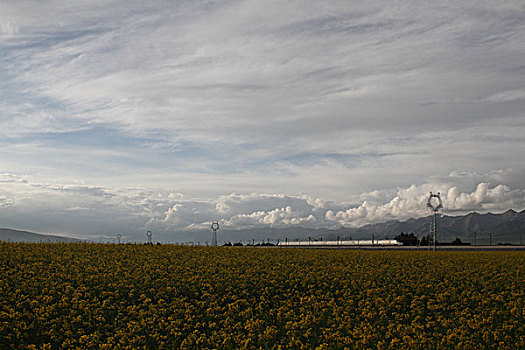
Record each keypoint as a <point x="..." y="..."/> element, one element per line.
<point x="118" y="117"/>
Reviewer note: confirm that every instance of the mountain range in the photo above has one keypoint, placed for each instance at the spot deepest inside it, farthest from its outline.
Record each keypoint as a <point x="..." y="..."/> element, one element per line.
<point x="507" y="227"/>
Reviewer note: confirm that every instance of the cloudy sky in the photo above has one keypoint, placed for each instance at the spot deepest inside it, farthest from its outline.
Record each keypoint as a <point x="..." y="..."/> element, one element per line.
<point x="126" y="116"/>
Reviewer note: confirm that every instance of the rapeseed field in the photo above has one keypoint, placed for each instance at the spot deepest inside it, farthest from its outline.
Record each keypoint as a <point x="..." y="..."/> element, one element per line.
<point x="108" y="296"/>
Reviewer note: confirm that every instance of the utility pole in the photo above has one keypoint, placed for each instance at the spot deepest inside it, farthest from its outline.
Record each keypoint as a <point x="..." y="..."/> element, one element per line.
<point x="434" y="208"/>
<point x="490" y="238"/>
<point x="214" y="227"/>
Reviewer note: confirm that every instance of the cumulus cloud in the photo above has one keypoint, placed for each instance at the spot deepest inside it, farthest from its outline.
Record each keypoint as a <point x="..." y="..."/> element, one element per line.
<point x="6" y="202"/>
<point x="485" y="198"/>
<point x="8" y="28"/>
<point x="278" y="217"/>
<point x="249" y="203"/>
<point x="404" y="205"/>
<point x="7" y="178"/>
<point x="411" y="202"/>
<point x="188" y="214"/>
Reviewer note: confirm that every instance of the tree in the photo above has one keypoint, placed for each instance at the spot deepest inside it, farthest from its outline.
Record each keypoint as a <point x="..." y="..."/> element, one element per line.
<point x="407" y="239"/>
<point x="425" y="240"/>
<point x="457" y="241"/>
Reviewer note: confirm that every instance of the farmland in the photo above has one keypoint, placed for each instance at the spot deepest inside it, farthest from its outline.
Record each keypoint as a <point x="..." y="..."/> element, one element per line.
<point x="78" y="295"/>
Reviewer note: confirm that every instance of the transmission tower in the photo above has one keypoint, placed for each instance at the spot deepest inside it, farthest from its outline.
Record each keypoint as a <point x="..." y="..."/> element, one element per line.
<point x="434" y="217"/>
<point x="149" y="234"/>
<point x="214" y="227"/>
<point x="118" y="238"/>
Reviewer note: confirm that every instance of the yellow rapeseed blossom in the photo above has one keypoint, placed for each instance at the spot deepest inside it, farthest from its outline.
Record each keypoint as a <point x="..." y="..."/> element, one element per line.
<point x="84" y="296"/>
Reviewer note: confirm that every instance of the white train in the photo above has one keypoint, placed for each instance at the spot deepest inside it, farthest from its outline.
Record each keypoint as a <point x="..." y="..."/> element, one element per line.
<point x="358" y="242"/>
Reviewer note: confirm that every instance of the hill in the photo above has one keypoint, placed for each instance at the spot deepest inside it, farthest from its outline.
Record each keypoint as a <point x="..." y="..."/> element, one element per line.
<point x="7" y="234"/>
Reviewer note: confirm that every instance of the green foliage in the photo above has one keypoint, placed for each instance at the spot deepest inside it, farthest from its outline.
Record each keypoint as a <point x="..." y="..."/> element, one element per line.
<point x="83" y="296"/>
<point x="407" y="239"/>
<point x="457" y="241"/>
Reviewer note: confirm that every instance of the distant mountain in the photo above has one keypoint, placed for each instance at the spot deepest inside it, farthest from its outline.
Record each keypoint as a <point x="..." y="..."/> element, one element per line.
<point x="507" y="227"/>
<point x="7" y="234"/>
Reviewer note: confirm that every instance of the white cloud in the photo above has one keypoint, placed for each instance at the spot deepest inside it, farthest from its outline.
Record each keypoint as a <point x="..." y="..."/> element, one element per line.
<point x="485" y="198"/>
<point x="278" y="217"/>
<point x="411" y="202"/>
<point x="6" y="202"/>
<point x="507" y="96"/>
<point x="248" y="203"/>
<point x="239" y="68"/>
<point x="7" y="178"/>
<point x="8" y="28"/>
